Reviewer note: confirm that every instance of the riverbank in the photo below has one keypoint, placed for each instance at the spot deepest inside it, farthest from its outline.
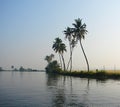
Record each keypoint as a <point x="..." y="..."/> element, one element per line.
<point x="98" y="74"/>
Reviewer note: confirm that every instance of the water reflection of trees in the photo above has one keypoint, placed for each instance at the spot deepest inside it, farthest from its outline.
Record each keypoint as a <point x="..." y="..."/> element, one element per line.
<point x="62" y="92"/>
<point x="57" y="89"/>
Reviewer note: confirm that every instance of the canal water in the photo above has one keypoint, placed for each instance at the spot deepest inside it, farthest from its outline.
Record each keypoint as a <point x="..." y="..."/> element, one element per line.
<point x="38" y="89"/>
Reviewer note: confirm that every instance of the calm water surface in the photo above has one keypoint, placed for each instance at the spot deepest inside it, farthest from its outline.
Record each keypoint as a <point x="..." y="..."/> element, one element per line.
<point x="38" y="89"/>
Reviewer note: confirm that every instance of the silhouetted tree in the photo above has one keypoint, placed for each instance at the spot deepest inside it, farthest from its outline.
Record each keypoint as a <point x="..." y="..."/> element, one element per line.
<point x="56" y="46"/>
<point x="53" y="67"/>
<point x="69" y="35"/>
<point x="60" y="48"/>
<point x="49" y="58"/>
<point x="79" y="33"/>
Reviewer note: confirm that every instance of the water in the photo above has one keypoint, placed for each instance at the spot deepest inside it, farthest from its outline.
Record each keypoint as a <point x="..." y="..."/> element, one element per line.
<point x="38" y="89"/>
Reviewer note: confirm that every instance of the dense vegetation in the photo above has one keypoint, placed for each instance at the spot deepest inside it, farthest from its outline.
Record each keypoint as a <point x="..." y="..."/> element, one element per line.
<point x="102" y="74"/>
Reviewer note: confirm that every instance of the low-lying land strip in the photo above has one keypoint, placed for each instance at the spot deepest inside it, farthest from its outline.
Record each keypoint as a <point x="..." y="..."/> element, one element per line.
<point x="102" y="74"/>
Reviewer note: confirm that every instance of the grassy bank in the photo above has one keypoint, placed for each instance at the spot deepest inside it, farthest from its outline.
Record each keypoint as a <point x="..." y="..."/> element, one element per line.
<point x="102" y="74"/>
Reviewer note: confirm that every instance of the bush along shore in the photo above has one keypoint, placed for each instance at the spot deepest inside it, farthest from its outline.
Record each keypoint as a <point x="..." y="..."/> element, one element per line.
<point x="54" y="68"/>
<point x="98" y="74"/>
<point x="92" y="74"/>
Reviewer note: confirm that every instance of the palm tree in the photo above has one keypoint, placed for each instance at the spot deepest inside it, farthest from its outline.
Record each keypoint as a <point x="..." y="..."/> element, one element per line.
<point x="52" y="56"/>
<point x="56" y="46"/>
<point x="49" y="58"/>
<point x="79" y="33"/>
<point x="59" y="47"/>
<point x="61" y="50"/>
<point x="69" y="35"/>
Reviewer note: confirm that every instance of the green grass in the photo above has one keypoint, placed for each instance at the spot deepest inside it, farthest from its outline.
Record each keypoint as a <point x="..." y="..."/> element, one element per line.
<point x="102" y="74"/>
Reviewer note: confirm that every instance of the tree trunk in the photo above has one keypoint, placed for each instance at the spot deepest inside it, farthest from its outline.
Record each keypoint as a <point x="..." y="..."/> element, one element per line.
<point x="84" y="55"/>
<point x="60" y="61"/>
<point x="71" y="59"/>
<point x="68" y="64"/>
<point x="70" y="56"/>
<point x="63" y="62"/>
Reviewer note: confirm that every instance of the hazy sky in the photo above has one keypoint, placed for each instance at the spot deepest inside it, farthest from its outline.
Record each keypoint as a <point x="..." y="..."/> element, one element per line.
<point x="29" y="27"/>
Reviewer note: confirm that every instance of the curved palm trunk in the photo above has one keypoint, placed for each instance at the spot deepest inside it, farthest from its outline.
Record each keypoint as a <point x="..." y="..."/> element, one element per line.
<point x="68" y="64"/>
<point x="60" y="61"/>
<point x="63" y="62"/>
<point x="84" y="55"/>
<point x="70" y="60"/>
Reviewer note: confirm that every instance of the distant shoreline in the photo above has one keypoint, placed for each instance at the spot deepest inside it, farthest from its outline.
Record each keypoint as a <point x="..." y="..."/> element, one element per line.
<point x="22" y="71"/>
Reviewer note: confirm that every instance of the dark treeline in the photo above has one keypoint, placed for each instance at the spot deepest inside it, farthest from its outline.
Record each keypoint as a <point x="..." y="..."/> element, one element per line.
<point x="21" y="68"/>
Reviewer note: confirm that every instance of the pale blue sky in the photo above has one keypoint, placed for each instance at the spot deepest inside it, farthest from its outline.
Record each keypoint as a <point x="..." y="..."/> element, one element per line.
<point x="28" y="28"/>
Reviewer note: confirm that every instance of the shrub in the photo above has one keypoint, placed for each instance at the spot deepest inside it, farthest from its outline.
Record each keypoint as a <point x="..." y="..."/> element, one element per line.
<point x="100" y="74"/>
<point x="53" y="67"/>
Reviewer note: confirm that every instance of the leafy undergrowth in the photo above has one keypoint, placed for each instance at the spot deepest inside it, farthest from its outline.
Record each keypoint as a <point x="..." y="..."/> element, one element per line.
<point x="102" y="74"/>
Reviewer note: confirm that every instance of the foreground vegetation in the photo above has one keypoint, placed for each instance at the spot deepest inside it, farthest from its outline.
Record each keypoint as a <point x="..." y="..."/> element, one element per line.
<point x="54" y="68"/>
<point x="101" y="74"/>
<point x="92" y="74"/>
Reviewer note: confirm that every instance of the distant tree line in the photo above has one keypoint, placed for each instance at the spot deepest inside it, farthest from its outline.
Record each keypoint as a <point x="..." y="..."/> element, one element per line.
<point x="18" y="69"/>
<point x="22" y="69"/>
<point x="1" y="69"/>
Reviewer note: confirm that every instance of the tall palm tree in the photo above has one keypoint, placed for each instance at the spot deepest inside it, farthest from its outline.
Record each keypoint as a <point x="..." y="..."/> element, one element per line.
<point x="56" y="46"/>
<point x="69" y="35"/>
<point x="79" y="32"/>
<point x="60" y="48"/>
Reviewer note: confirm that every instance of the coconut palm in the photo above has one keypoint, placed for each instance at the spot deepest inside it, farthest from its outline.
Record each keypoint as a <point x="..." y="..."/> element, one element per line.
<point x="69" y="35"/>
<point x="52" y="56"/>
<point x="79" y="33"/>
<point x="59" y="48"/>
<point x="49" y="58"/>
<point x="56" y="46"/>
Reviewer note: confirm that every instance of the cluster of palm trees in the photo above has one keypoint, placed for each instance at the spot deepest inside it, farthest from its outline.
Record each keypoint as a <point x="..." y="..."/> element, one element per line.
<point x="73" y="35"/>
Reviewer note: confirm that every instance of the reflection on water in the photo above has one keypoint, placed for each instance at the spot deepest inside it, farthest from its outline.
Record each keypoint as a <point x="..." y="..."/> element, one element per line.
<point x="63" y="94"/>
<point x="38" y="89"/>
<point x="76" y="92"/>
